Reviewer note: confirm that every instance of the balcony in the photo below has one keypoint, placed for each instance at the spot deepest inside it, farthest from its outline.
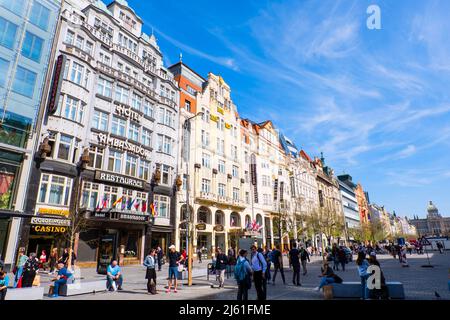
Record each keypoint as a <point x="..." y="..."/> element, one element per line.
<point x="94" y="31"/>
<point x="130" y="54"/>
<point x="206" y="197"/>
<point x="83" y="55"/>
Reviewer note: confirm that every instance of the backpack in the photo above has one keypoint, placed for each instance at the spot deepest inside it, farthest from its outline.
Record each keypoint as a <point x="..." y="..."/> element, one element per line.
<point x="239" y="270"/>
<point x="273" y="257"/>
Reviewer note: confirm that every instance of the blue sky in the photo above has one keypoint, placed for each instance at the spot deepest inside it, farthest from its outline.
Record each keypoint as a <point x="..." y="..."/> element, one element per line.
<point x="376" y="102"/>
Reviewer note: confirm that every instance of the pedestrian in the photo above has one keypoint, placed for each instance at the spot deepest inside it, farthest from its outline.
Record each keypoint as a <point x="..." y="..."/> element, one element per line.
<point x="242" y="274"/>
<point x="73" y="259"/>
<point x="334" y="255"/>
<point x="19" y="268"/>
<point x="221" y="266"/>
<point x="327" y="275"/>
<point x="294" y="258"/>
<point x="52" y="260"/>
<point x="381" y="293"/>
<point x="43" y="260"/>
<point x="4" y="281"/>
<point x="304" y="257"/>
<point x="199" y="255"/>
<point x="150" y="274"/>
<point x="114" y="276"/>
<point x="160" y="254"/>
<point x="30" y="268"/>
<point x="231" y="256"/>
<point x="277" y="260"/>
<point x="267" y="255"/>
<point x="61" y="279"/>
<point x="363" y="264"/>
<point x="342" y="257"/>
<point x="440" y="247"/>
<point x="403" y="259"/>
<point x="175" y="259"/>
<point x="65" y="256"/>
<point x="259" y="267"/>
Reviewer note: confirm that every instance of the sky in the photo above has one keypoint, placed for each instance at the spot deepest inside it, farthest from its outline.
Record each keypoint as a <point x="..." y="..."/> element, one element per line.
<point x="375" y="102"/>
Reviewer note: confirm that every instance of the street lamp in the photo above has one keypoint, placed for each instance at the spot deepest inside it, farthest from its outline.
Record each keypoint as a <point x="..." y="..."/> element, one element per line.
<point x="187" y="130"/>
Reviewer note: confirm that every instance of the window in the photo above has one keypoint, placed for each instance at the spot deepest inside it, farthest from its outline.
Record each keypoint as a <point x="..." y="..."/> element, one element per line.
<point x="4" y="66"/>
<point x="235" y="172"/>
<point x="165" y="175"/>
<point x="65" y="143"/>
<point x="205" y="138"/>
<point x="104" y="58"/>
<point x="100" y="120"/>
<point x="73" y="109"/>
<point x="221" y="190"/>
<point x="148" y="108"/>
<point x="70" y="36"/>
<point x="206" y="186"/>
<point x="24" y="82"/>
<point x="40" y="15"/>
<point x="76" y="74"/>
<point x="122" y="94"/>
<point x="89" y="47"/>
<point x="221" y="166"/>
<point x="96" y="157"/>
<point x="8" y="32"/>
<point x="220" y="146"/>
<point x="265" y="181"/>
<point x="133" y="132"/>
<point x="115" y="161"/>
<point x="234" y="153"/>
<point x="144" y="170"/>
<point x="146" y="137"/>
<point x="104" y="87"/>
<point x="131" y="166"/>
<point x="247" y="197"/>
<point x="162" y="205"/>
<point x="187" y="105"/>
<point x="32" y="46"/>
<point x="89" y="196"/>
<point x="235" y="194"/>
<point x="166" y="117"/>
<point x="110" y="196"/>
<point x="55" y="189"/>
<point x="79" y="43"/>
<point x="136" y="102"/>
<point x="141" y="199"/>
<point x="164" y="144"/>
<point x="206" y="160"/>
<point x="14" y="6"/>
<point x="118" y="126"/>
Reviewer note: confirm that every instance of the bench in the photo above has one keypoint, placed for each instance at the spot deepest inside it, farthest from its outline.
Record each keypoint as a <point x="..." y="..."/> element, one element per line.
<point x="72" y="289"/>
<point x="353" y="290"/>
<point x="33" y="293"/>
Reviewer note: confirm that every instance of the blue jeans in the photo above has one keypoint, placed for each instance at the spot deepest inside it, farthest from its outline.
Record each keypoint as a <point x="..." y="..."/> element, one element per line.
<point x="173" y="272"/>
<point x="325" y="280"/>
<point x="18" y="275"/>
<point x="58" y="283"/>
<point x="117" y="281"/>
<point x="364" y="290"/>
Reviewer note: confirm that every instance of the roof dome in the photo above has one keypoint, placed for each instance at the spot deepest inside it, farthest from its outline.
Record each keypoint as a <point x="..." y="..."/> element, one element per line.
<point x="432" y="209"/>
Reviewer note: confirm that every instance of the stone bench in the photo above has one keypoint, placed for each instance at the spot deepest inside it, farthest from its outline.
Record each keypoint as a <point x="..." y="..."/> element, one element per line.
<point x="76" y="288"/>
<point x="353" y="290"/>
<point x="33" y="293"/>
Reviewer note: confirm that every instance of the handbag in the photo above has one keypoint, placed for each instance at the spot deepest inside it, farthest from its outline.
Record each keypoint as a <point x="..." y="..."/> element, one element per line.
<point x="37" y="281"/>
<point x="19" y="283"/>
<point x="180" y="268"/>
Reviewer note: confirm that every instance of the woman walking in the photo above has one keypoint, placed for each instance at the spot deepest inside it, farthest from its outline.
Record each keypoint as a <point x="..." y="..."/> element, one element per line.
<point x="52" y="260"/>
<point x="362" y="264"/>
<point x="29" y="271"/>
<point x="150" y="274"/>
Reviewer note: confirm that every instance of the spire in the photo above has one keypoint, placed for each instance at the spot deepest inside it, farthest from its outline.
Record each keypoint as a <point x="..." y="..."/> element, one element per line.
<point x="181" y="56"/>
<point x="322" y="159"/>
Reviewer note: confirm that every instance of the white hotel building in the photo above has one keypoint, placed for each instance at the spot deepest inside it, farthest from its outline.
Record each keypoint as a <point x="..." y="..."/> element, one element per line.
<point x="119" y="101"/>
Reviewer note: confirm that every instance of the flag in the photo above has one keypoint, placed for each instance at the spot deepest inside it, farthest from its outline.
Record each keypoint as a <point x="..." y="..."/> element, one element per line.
<point x="117" y="201"/>
<point x="124" y="204"/>
<point x="152" y="209"/>
<point x="97" y="207"/>
<point x="137" y="204"/>
<point x="130" y="203"/>
<point x="105" y="201"/>
<point x="144" y="206"/>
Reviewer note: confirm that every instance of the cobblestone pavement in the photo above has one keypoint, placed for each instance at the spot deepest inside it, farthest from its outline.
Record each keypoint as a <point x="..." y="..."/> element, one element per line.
<point x="419" y="282"/>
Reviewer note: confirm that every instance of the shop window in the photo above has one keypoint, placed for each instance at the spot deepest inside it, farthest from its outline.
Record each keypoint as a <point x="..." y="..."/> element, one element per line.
<point x="7" y="178"/>
<point x="55" y="189"/>
<point x="204" y="215"/>
<point x="127" y="199"/>
<point x="110" y="196"/>
<point x="142" y="200"/>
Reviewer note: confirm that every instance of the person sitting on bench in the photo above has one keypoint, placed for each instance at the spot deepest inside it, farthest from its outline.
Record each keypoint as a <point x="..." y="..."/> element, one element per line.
<point x="114" y="277"/>
<point x="61" y="279"/>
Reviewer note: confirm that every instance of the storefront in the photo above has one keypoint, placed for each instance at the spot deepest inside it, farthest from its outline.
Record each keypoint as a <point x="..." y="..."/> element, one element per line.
<point x="47" y="233"/>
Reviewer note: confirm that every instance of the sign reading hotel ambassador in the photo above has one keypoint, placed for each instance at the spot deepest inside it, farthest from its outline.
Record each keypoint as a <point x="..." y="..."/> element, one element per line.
<point x="118" y="179"/>
<point x="123" y="145"/>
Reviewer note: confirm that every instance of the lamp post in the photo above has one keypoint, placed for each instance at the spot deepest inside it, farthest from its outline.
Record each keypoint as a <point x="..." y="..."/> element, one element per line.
<point x="187" y="131"/>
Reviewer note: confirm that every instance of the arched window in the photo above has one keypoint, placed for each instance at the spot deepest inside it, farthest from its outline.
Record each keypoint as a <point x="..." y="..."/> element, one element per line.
<point x="235" y="220"/>
<point x="204" y="215"/>
<point x="220" y="217"/>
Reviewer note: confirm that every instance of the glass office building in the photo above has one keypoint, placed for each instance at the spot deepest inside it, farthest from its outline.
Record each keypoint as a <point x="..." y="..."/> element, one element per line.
<point x="27" y="28"/>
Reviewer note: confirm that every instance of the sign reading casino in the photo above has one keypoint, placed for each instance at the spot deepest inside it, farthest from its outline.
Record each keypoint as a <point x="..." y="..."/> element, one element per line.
<point x="123" y="145"/>
<point x="118" y="179"/>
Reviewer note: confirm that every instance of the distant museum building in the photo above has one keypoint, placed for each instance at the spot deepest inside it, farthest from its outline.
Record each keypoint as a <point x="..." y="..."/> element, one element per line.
<point x="434" y="224"/>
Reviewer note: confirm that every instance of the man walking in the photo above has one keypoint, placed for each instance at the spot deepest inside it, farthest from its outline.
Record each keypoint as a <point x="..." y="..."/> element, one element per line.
<point x="295" y="262"/>
<point x="267" y="255"/>
<point x="175" y="259"/>
<point x="242" y="274"/>
<point x="221" y="266"/>
<point x="259" y="267"/>
<point x="160" y="254"/>
<point x="277" y="260"/>
<point x="304" y="256"/>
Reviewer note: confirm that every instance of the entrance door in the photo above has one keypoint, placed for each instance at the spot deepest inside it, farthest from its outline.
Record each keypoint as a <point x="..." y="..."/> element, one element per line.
<point x="106" y="252"/>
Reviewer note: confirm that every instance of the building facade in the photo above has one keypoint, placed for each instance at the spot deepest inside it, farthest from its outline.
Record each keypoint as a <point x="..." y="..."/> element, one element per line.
<point x="117" y="104"/>
<point x="349" y="201"/>
<point x="363" y="204"/>
<point x="434" y="224"/>
<point x="27" y="29"/>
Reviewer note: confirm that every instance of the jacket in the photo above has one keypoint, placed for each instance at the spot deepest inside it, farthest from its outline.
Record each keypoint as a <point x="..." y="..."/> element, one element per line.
<point x="149" y="262"/>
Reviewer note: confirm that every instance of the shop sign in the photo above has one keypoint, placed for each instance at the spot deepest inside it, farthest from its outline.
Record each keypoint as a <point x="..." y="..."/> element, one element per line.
<point x="52" y="211"/>
<point x="49" y="229"/>
<point x="118" y="179"/>
<point x="134" y="217"/>
<point x="275" y="190"/>
<point x="253" y="177"/>
<point x="220" y="110"/>
<point x="50" y="221"/>
<point x="218" y="227"/>
<point x="123" y="145"/>
<point x="227" y="125"/>
<point x="214" y="118"/>
<point x="126" y="111"/>
<point x="55" y="90"/>
<point x="201" y="226"/>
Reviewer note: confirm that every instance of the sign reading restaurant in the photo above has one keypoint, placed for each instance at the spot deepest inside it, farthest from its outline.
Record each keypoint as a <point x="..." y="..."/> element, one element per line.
<point x="123" y="145"/>
<point x="118" y="179"/>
